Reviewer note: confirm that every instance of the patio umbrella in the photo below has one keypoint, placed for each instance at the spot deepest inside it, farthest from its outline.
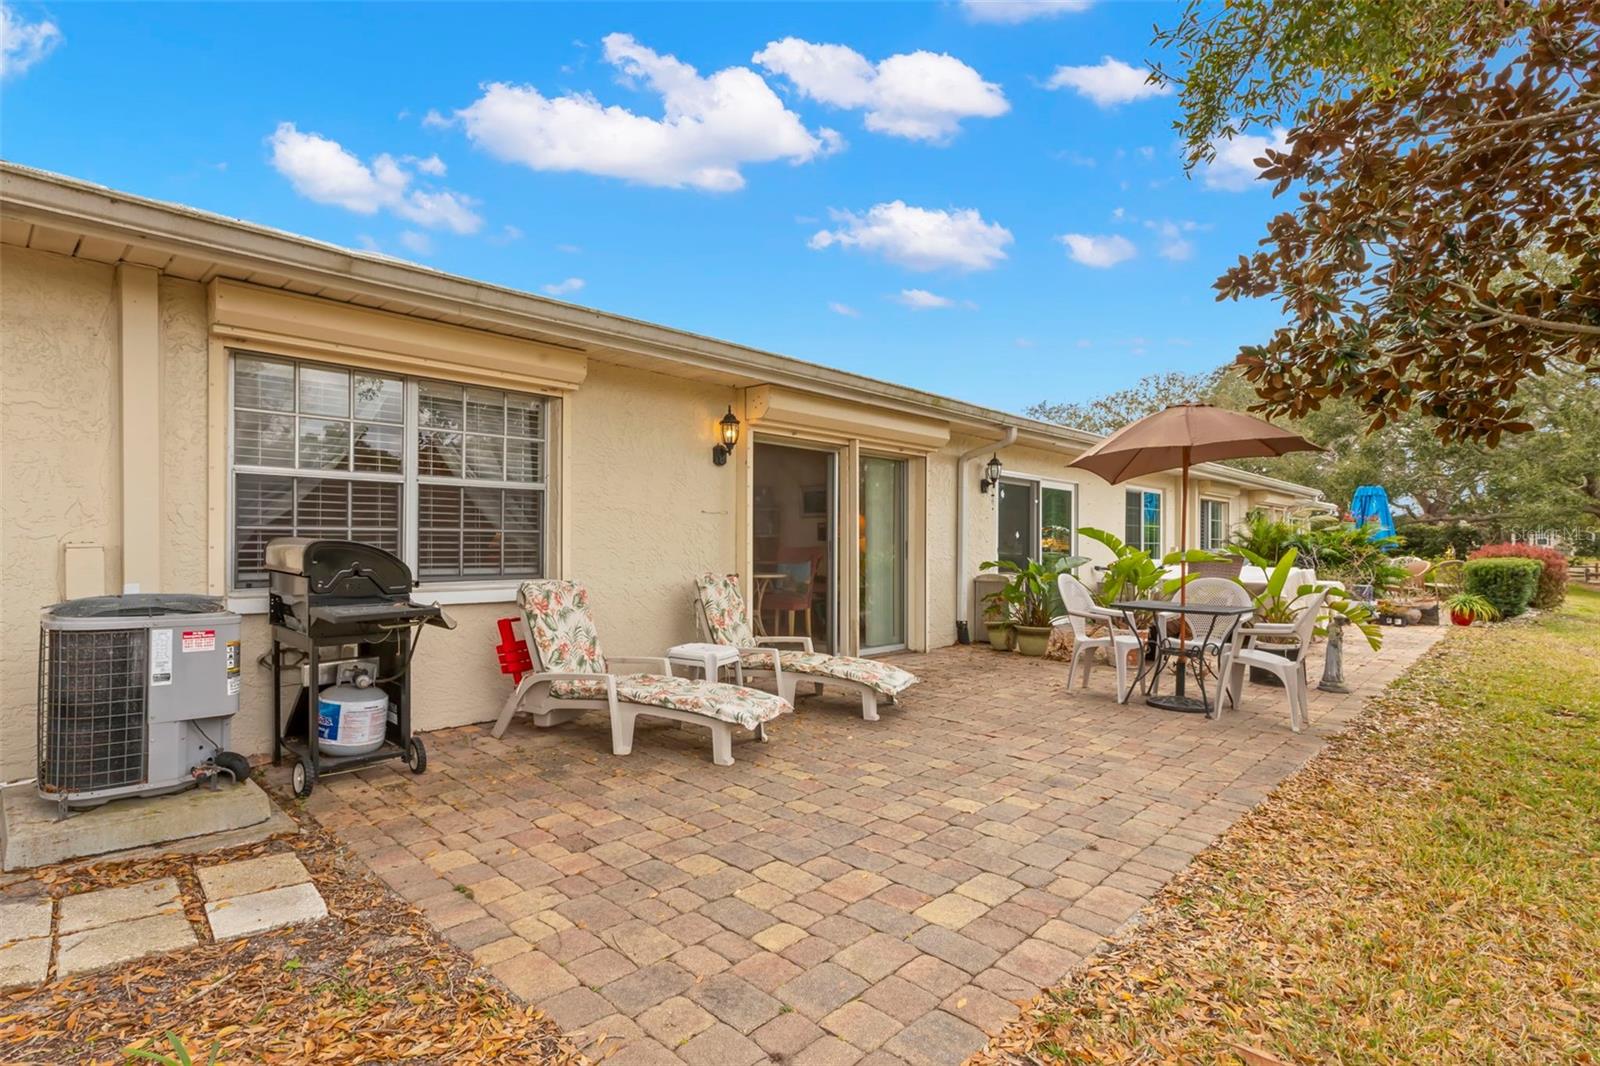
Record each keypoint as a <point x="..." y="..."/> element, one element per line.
<point x="1180" y="436"/>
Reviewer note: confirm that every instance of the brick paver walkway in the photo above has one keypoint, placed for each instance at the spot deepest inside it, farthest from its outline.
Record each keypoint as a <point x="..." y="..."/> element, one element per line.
<point x="848" y="892"/>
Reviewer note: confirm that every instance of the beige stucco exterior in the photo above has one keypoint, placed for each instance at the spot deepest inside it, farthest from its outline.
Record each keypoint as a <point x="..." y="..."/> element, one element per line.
<point x="105" y="476"/>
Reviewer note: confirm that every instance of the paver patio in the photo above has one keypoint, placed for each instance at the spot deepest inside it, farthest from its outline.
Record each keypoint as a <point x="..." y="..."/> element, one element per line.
<point x="874" y="892"/>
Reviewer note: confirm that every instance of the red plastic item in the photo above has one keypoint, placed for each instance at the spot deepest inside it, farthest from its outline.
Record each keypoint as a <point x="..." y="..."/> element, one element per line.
<point x="512" y="652"/>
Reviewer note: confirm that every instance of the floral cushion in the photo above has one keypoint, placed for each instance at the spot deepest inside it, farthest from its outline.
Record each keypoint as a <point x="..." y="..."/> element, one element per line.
<point x="558" y="620"/>
<point x="723" y="605"/>
<point x="745" y="707"/>
<point x="881" y="677"/>
<point x="578" y="690"/>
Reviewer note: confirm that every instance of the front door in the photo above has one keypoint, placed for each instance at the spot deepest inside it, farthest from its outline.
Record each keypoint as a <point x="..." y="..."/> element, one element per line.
<point x="883" y="553"/>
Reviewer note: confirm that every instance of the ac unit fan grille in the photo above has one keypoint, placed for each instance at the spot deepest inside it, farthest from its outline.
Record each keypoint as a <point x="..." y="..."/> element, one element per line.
<point x="92" y="732"/>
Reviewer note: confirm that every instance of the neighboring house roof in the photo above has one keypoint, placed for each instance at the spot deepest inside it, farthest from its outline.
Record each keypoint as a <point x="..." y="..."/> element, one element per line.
<point x="52" y="212"/>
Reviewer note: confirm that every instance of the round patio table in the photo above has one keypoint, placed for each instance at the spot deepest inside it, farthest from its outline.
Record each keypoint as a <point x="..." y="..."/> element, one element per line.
<point x="1220" y="621"/>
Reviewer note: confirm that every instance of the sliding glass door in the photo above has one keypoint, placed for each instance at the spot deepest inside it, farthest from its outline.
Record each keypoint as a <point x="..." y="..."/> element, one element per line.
<point x="882" y="533"/>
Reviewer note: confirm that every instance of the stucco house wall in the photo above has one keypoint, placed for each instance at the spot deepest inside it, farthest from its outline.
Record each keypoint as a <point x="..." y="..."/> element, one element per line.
<point x="637" y="507"/>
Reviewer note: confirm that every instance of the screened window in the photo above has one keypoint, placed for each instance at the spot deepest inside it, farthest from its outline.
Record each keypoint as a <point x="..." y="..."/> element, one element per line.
<point x="449" y="477"/>
<point x="1142" y="525"/>
<point x="1213" y="524"/>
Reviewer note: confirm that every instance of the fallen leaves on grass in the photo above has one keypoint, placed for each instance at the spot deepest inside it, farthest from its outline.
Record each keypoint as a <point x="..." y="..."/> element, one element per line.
<point x="1427" y="889"/>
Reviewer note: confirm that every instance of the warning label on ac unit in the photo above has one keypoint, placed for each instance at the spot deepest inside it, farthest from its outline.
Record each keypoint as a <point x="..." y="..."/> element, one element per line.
<point x="160" y="657"/>
<point x="199" y="640"/>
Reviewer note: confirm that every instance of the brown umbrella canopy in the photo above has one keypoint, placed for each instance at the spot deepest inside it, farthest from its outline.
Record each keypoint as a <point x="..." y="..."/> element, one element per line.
<point x="1183" y="435"/>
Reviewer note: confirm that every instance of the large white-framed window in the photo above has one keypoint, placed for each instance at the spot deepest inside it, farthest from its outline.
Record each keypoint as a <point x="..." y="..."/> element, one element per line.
<point x="1213" y="524"/>
<point x="1142" y="520"/>
<point x="452" y="478"/>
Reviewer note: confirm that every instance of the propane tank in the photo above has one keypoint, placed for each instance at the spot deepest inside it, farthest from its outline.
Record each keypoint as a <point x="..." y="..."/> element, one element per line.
<point x="351" y="719"/>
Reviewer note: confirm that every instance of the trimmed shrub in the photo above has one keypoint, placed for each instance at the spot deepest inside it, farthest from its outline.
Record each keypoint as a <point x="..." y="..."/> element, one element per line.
<point x="1552" y="579"/>
<point x="1430" y="541"/>
<point x="1509" y="584"/>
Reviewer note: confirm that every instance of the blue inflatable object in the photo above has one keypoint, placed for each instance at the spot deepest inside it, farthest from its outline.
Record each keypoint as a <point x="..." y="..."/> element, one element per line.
<point x="1371" y="504"/>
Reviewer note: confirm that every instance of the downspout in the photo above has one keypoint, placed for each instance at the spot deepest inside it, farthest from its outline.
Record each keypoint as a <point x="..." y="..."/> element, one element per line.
<point x="963" y="585"/>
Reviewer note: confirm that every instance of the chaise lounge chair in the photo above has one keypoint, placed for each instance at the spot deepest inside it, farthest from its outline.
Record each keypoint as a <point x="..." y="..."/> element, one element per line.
<point x="725" y="620"/>
<point x="570" y="676"/>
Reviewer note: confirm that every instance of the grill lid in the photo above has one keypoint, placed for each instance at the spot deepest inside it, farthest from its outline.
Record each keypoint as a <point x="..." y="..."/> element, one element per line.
<point x="340" y="568"/>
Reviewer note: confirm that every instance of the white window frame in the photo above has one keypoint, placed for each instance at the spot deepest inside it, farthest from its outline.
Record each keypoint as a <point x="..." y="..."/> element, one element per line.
<point x="434" y="590"/>
<point x="1040" y="484"/>
<point x="1214" y="501"/>
<point x="1161" y="522"/>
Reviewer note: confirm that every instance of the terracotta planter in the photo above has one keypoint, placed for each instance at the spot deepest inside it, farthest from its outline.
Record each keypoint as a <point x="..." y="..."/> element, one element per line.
<point x="1460" y="619"/>
<point x="1000" y="636"/>
<point x="1032" y="640"/>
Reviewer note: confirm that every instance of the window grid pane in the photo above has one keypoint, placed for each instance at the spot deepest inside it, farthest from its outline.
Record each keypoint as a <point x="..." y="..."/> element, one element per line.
<point x="307" y="420"/>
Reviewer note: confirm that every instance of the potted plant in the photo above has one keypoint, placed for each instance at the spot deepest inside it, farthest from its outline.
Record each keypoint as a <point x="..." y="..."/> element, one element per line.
<point x="1028" y="598"/>
<point x="1468" y="607"/>
<point x="997" y="620"/>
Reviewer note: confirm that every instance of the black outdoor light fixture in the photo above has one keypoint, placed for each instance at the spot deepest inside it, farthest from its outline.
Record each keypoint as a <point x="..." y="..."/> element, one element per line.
<point x="729" y="427"/>
<point x="991" y="473"/>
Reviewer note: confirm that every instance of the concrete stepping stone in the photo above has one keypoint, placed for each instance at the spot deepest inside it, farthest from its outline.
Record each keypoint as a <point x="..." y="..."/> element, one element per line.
<point x="24" y="942"/>
<point x="123" y="941"/>
<point x="252" y="875"/>
<point x="254" y="895"/>
<point x="24" y="920"/>
<point x="108" y="906"/>
<point x="256" y="912"/>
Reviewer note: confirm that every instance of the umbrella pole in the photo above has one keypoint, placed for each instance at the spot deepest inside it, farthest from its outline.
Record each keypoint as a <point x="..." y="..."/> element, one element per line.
<point x="1183" y="533"/>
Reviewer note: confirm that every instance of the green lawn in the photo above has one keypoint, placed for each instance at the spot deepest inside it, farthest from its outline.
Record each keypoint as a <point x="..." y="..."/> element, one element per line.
<point x="1428" y="890"/>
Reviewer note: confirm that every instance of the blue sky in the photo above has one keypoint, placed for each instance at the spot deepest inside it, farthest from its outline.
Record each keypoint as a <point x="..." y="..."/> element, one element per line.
<point x="885" y="188"/>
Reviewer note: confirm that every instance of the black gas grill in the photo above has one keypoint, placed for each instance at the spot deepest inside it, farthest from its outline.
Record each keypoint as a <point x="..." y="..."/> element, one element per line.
<point x="340" y="608"/>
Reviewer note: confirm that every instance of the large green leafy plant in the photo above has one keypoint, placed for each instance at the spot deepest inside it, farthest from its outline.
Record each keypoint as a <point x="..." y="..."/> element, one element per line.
<point x="1026" y="597"/>
<point x="1351" y="554"/>
<point x="1276" y="603"/>
<point x="1134" y="575"/>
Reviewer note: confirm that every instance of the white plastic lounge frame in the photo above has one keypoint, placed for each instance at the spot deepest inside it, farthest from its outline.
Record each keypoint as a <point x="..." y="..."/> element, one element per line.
<point x="724" y="619"/>
<point x="1293" y="637"/>
<point x="1118" y="641"/>
<point x="591" y="681"/>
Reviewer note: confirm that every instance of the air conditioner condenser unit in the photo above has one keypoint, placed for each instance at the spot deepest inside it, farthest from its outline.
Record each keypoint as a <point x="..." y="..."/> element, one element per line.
<point x="136" y="696"/>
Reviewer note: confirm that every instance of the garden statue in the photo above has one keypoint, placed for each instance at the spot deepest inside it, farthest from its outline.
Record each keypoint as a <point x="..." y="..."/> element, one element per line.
<point x="1333" y="659"/>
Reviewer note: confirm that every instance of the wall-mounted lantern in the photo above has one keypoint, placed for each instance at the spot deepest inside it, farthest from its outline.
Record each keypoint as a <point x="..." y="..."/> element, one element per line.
<point x="729" y="429"/>
<point x="991" y="473"/>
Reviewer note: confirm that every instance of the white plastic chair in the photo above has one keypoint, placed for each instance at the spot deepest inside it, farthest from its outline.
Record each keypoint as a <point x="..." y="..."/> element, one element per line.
<point x="1209" y="592"/>
<point x="1118" y="642"/>
<point x="1293" y="637"/>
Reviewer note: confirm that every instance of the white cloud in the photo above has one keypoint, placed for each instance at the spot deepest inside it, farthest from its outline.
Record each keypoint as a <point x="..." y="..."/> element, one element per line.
<point x="508" y="234"/>
<point x="922" y="300"/>
<point x="431" y="165"/>
<point x="322" y="170"/>
<point x="24" y="43"/>
<point x="565" y="288"/>
<point x="1085" y="342"/>
<point x="843" y="309"/>
<point x="919" y="238"/>
<point x="920" y="95"/>
<point x="1174" y="245"/>
<point x="710" y="126"/>
<point x="1012" y="12"/>
<point x="568" y="249"/>
<point x="1108" y="83"/>
<point x="419" y="243"/>
<point x="1100" y="252"/>
<point x="1234" y="168"/>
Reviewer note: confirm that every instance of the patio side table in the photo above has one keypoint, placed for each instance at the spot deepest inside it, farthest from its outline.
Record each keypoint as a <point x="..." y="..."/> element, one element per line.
<point x="1220" y="621"/>
<point x="709" y="659"/>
